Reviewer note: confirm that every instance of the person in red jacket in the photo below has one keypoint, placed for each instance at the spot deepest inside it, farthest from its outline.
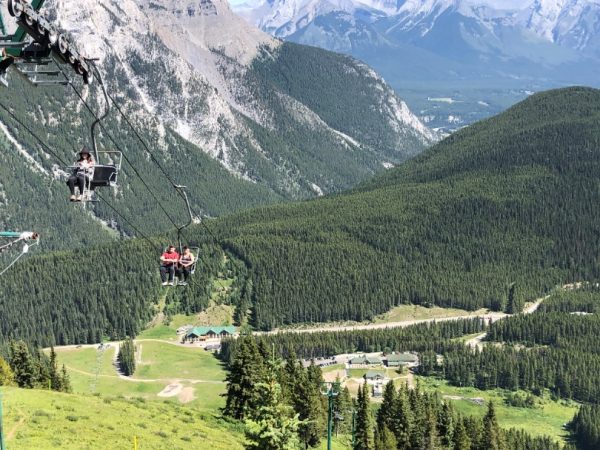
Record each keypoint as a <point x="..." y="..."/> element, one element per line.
<point x="169" y="260"/>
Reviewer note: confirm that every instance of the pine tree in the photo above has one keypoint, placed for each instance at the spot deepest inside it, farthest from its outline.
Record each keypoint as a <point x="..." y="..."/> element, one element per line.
<point x="342" y="407"/>
<point x="460" y="439"/>
<point x="271" y="425"/>
<point x="446" y="425"/>
<point x="364" y="422"/>
<point x="514" y="304"/>
<point x="65" y="380"/>
<point x="492" y="438"/>
<point x="246" y="371"/>
<point x="55" y="378"/>
<point x="385" y="414"/>
<point x="126" y="357"/>
<point x="385" y="439"/>
<point x="402" y="418"/>
<point x="22" y="365"/>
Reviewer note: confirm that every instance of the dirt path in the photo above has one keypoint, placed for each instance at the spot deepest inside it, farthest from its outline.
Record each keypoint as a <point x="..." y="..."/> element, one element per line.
<point x="476" y="341"/>
<point x="492" y="316"/>
<point x="11" y="434"/>
<point x="146" y="380"/>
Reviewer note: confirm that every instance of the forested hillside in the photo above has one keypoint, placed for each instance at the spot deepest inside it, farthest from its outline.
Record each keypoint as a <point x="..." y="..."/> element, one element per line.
<point x="513" y="200"/>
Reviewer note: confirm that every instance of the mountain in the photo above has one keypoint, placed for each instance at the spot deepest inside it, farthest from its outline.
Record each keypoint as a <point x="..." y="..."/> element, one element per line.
<point x="233" y="114"/>
<point x="455" y="61"/>
<point x="512" y="199"/>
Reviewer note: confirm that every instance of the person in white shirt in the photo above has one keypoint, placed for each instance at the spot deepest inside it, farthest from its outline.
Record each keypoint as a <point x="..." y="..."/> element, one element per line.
<point x="82" y="174"/>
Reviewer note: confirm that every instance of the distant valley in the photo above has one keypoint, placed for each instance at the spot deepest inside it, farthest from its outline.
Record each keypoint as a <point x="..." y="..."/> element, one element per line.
<point x="484" y="55"/>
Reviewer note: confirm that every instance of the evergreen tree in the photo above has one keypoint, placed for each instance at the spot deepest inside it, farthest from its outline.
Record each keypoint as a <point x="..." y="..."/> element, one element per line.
<point x="514" y="304"/>
<point x="492" y="439"/>
<point x="22" y="365"/>
<point x="246" y="371"/>
<point x="342" y="408"/>
<point x="271" y="424"/>
<point x="446" y="425"/>
<point x="384" y="439"/>
<point x="460" y="438"/>
<point x="126" y="357"/>
<point x="65" y="380"/>
<point x="402" y="418"/>
<point x="55" y="376"/>
<point x="364" y="422"/>
<point x="385" y="414"/>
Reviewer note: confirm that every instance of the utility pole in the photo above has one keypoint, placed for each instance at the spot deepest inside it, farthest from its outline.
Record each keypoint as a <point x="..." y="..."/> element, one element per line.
<point x="331" y="390"/>
<point x="2" y="447"/>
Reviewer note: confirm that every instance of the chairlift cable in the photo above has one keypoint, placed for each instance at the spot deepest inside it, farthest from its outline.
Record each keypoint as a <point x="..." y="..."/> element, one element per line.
<point x="56" y="156"/>
<point x="118" y="147"/>
<point x="23" y="252"/>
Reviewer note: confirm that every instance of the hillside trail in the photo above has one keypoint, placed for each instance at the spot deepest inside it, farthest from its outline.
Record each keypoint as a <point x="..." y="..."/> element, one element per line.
<point x="114" y="343"/>
<point x="11" y="433"/>
<point x="477" y="341"/>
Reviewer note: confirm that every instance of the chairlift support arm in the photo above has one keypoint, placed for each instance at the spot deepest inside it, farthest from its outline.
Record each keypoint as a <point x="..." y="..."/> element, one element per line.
<point x="106" y="111"/>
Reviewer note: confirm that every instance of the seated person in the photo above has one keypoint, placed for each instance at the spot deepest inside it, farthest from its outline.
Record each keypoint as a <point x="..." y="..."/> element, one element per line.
<point x="186" y="262"/>
<point x="82" y="175"/>
<point x="169" y="260"/>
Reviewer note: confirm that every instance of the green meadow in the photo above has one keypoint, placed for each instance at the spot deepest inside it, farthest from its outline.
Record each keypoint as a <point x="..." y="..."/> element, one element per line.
<point x="37" y="419"/>
<point x="548" y="418"/>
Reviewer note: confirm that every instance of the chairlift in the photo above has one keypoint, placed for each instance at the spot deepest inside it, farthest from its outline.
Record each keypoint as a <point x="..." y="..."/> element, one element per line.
<point x="104" y="175"/>
<point x="36" y="41"/>
<point x="195" y="250"/>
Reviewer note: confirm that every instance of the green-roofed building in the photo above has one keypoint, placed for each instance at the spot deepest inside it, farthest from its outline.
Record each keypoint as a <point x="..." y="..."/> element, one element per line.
<point x="374" y="375"/>
<point x="401" y="359"/>
<point x="197" y="334"/>
<point x="358" y="361"/>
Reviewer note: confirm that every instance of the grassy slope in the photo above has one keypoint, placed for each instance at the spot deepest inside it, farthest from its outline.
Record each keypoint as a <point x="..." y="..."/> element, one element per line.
<point x="547" y="420"/>
<point x="47" y="420"/>
<point x="169" y="363"/>
<point x="162" y="363"/>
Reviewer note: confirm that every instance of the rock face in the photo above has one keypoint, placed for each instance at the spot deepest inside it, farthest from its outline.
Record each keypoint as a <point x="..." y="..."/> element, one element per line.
<point x="191" y="65"/>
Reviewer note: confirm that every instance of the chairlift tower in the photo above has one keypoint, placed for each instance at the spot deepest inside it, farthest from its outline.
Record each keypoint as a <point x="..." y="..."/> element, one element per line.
<point x="331" y="390"/>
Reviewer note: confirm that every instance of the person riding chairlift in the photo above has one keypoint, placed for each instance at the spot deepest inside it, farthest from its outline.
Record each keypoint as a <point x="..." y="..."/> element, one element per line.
<point x="82" y="175"/>
<point x="169" y="260"/>
<point x="186" y="262"/>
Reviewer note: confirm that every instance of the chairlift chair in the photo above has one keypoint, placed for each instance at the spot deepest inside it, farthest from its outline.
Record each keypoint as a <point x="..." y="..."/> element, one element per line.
<point x="104" y="175"/>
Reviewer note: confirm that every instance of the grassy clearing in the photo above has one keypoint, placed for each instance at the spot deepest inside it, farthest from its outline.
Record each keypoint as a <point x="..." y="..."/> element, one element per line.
<point x="161" y="360"/>
<point x="546" y="420"/>
<point x="414" y="312"/>
<point x="403" y="313"/>
<point x="215" y="315"/>
<point x="169" y="362"/>
<point x="333" y="368"/>
<point x="36" y="419"/>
